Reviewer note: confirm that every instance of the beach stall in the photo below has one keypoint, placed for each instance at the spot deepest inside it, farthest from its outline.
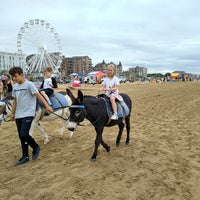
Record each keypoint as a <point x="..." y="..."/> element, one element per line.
<point x="185" y="77"/>
<point x="174" y="77"/>
<point x="178" y="77"/>
<point x="95" y="77"/>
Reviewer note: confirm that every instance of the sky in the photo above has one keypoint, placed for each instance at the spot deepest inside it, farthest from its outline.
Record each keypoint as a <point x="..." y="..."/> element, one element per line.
<point x="163" y="36"/>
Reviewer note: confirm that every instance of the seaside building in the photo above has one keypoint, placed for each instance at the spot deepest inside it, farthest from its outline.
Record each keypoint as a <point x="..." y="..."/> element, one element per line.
<point x="100" y="67"/>
<point x="136" y="73"/>
<point x="8" y="60"/>
<point x="76" y="64"/>
<point x="103" y="67"/>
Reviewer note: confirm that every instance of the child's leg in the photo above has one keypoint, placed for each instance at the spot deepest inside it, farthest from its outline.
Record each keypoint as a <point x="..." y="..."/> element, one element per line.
<point x="113" y="103"/>
<point x="46" y="97"/>
<point x="114" y="107"/>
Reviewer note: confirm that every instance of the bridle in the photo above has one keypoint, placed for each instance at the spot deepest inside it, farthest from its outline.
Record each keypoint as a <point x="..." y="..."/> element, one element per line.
<point x="85" y="115"/>
<point x="71" y="106"/>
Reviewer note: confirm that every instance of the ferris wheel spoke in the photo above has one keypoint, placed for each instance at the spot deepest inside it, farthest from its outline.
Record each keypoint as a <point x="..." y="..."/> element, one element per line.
<point x="29" y="42"/>
<point x="45" y="62"/>
<point x="29" y="35"/>
<point x="53" y="60"/>
<point x="29" y="45"/>
<point x="32" y="62"/>
<point x="48" y="57"/>
<point x="33" y="32"/>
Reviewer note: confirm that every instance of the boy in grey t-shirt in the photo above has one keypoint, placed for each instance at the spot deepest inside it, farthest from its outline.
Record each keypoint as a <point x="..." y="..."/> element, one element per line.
<point x="23" y="111"/>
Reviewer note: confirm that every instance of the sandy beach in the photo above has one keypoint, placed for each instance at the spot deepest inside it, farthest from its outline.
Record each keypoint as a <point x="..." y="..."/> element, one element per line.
<point x="162" y="161"/>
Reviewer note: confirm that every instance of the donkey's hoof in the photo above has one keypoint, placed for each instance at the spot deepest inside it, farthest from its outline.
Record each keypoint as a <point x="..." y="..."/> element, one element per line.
<point x="108" y="149"/>
<point x="117" y="144"/>
<point x="127" y="143"/>
<point x="71" y="134"/>
<point x="93" y="159"/>
<point x="46" y="141"/>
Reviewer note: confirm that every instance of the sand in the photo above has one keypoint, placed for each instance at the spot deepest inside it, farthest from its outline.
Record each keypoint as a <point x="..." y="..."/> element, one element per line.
<point x="162" y="161"/>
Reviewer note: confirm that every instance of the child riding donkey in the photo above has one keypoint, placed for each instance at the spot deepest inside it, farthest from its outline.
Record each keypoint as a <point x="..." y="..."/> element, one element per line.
<point x="48" y="85"/>
<point x="110" y="85"/>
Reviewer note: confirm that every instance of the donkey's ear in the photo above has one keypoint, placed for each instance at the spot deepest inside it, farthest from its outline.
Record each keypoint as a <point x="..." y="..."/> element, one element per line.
<point x="69" y="93"/>
<point x="80" y="96"/>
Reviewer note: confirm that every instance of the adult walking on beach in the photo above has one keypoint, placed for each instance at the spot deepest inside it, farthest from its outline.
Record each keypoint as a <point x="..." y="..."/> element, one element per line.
<point x="23" y="111"/>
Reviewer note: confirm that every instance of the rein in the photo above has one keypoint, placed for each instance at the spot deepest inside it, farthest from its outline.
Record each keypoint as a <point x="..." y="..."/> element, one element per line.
<point x="66" y="119"/>
<point x="72" y="106"/>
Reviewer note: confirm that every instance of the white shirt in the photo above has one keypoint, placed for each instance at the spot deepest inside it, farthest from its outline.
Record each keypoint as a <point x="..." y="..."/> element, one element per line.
<point x="111" y="83"/>
<point x="47" y="83"/>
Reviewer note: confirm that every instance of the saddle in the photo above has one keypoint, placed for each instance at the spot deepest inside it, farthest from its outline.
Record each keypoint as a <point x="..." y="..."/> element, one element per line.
<point x="122" y="108"/>
<point x="58" y="102"/>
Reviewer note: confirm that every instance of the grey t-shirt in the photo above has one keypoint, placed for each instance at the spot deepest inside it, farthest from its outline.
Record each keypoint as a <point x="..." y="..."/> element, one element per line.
<point x="26" y="100"/>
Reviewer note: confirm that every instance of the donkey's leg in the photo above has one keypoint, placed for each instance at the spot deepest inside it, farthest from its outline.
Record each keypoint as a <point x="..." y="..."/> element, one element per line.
<point x="64" y="127"/>
<point x="98" y="140"/>
<point x="62" y="130"/>
<point x="105" y="145"/>
<point x="43" y="132"/>
<point x="127" y="120"/>
<point x="32" y="128"/>
<point x="37" y="124"/>
<point x="121" y="128"/>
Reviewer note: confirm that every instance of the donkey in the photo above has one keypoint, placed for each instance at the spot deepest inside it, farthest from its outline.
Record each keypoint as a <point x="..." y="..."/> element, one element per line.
<point x="95" y="110"/>
<point x="62" y="112"/>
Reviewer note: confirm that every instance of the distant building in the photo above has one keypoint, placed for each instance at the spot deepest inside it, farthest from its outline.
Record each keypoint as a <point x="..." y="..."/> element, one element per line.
<point x="136" y="73"/>
<point x="103" y="67"/>
<point x="8" y="60"/>
<point x="100" y="67"/>
<point x="76" y="64"/>
<point x="119" y="69"/>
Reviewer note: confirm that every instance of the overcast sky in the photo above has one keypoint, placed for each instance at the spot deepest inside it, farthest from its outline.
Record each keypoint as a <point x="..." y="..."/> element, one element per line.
<point x="161" y="35"/>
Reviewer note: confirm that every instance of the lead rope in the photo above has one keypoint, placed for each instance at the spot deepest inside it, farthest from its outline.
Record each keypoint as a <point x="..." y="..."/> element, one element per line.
<point x="66" y="119"/>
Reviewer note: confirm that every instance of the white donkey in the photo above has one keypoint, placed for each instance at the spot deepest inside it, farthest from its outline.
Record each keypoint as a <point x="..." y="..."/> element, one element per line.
<point x="62" y="112"/>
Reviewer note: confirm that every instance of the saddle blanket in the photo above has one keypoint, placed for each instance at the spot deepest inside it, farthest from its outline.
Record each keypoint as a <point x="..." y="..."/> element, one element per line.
<point x="58" y="101"/>
<point x="122" y="108"/>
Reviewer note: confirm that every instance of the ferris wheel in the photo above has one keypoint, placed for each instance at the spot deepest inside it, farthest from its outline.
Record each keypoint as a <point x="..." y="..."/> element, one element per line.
<point x="40" y="42"/>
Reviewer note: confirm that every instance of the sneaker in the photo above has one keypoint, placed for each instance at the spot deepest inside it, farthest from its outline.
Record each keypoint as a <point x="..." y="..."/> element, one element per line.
<point x="114" y="116"/>
<point x="36" y="153"/>
<point x="22" y="160"/>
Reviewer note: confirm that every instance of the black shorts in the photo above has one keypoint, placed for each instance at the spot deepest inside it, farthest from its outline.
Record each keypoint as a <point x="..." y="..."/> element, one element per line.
<point x="48" y="91"/>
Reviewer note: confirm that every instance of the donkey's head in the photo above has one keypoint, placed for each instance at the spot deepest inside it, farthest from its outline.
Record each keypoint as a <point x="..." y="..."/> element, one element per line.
<point x="77" y="110"/>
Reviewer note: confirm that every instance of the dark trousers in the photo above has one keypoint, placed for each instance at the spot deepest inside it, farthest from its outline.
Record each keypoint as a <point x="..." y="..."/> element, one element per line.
<point x="23" y="127"/>
<point x="48" y="91"/>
